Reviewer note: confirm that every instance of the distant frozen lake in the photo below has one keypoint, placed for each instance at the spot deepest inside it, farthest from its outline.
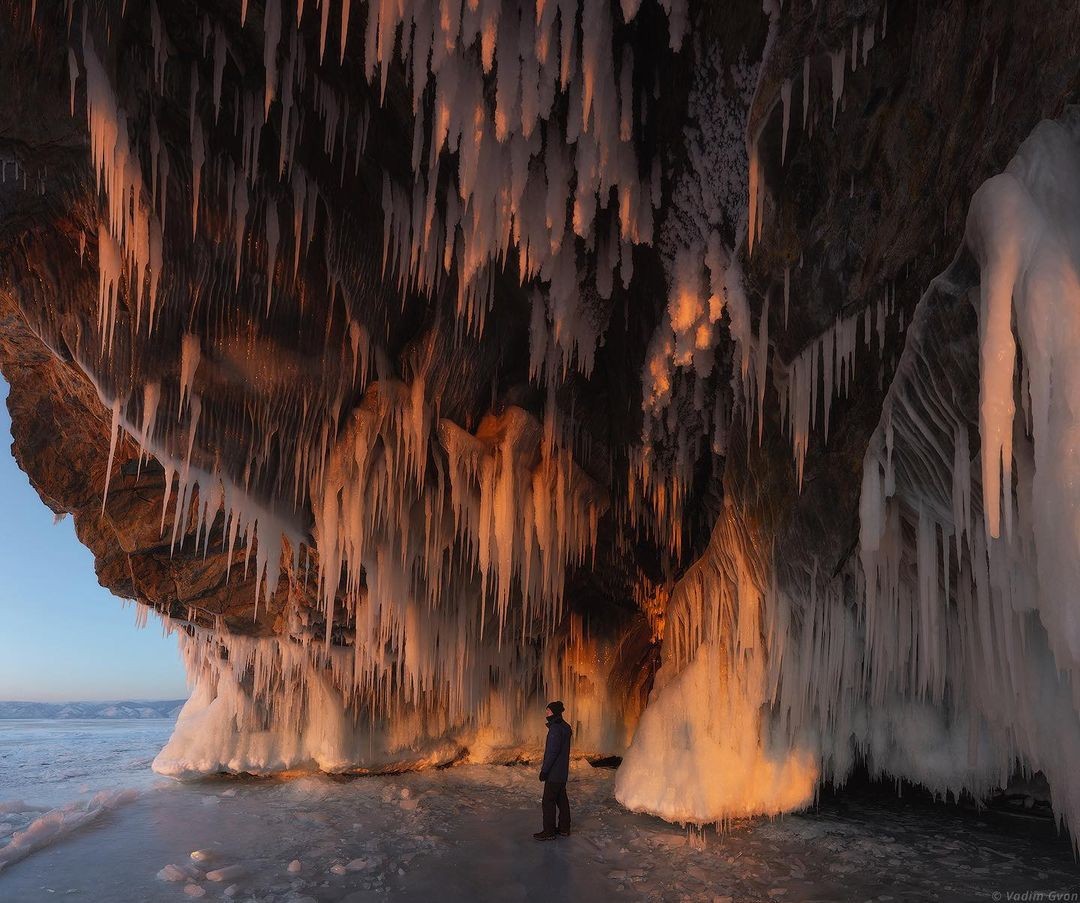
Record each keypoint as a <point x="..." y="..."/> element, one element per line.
<point x="54" y="762"/>
<point x="461" y="834"/>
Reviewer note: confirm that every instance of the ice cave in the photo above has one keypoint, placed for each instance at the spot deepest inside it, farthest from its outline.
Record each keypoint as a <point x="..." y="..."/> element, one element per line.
<point x="712" y="367"/>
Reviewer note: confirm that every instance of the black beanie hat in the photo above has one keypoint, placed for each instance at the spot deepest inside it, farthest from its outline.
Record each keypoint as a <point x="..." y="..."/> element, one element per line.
<point x="556" y="707"/>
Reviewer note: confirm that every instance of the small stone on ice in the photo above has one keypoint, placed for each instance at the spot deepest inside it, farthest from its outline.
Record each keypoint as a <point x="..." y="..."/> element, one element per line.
<point x="405" y="793"/>
<point x="193" y="890"/>
<point x="172" y="873"/>
<point x="226" y="874"/>
<point x="617" y="874"/>
<point x="338" y="869"/>
<point x="364" y="863"/>
<point x="295" y="866"/>
<point x="201" y="855"/>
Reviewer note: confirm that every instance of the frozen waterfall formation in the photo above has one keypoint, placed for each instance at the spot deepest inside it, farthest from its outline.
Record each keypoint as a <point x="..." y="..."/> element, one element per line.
<point x="708" y="366"/>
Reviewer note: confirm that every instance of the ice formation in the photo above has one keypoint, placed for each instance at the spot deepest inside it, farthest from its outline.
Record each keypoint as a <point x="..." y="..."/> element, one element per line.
<point x="367" y="281"/>
<point x="947" y="651"/>
<point x="54" y="824"/>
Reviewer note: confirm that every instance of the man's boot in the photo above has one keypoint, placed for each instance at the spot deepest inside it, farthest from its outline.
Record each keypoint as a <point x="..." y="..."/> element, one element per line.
<point x="545" y="835"/>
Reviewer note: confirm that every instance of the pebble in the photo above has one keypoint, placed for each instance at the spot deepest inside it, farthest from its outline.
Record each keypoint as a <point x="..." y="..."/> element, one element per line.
<point x="202" y="855"/>
<point x="172" y="873"/>
<point x="228" y="873"/>
<point x="339" y="869"/>
<point x="193" y="890"/>
<point x="295" y="866"/>
<point x="362" y="864"/>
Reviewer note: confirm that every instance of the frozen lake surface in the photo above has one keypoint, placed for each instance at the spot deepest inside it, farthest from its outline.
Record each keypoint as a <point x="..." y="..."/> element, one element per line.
<point x="460" y="834"/>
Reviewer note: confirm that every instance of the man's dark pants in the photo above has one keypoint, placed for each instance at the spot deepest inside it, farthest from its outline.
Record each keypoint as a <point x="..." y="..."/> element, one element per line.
<point x="555" y="795"/>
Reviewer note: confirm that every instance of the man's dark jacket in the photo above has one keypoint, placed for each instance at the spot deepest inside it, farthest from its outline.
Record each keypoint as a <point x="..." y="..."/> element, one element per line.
<point x="556" y="765"/>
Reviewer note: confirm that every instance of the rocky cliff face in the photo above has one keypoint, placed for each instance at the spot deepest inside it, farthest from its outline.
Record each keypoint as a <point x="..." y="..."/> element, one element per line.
<point x="423" y="361"/>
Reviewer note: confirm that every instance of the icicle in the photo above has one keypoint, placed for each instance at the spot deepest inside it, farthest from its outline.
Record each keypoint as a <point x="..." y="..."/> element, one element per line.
<point x="787" y="292"/>
<point x="73" y="75"/>
<point x="273" y="234"/>
<point x="837" y="80"/>
<point x="805" y="90"/>
<point x="785" y="99"/>
<point x="190" y="355"/>
<point x="114" y="434"/>
<point x="219" y="67"/>
<point x="198" y="157"/>
<point x="271" y="36"/>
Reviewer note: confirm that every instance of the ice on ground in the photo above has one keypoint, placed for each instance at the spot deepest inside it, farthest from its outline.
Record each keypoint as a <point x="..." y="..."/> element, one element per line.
<point x="57" y="823"/>
<point x="470" y="839"/>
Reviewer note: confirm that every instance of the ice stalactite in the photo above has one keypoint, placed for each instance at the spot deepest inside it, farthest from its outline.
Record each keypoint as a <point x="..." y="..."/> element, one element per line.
<point x="823" y="371"/>
<point x="518" y="162"/>
<point x="134" y="238"/>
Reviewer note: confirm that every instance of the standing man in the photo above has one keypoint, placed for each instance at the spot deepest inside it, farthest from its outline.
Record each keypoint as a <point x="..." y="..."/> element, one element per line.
<point x="554" y="772"/>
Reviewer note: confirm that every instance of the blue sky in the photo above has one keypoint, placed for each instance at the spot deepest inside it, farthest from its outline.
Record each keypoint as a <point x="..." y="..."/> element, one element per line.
<point x="63" y="637"/>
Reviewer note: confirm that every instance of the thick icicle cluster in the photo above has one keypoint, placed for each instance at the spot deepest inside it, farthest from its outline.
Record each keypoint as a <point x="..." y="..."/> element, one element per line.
<point x="823" y="371"/>
<point x="494" y="178"/>
<point x="441" y="554"/>
<point x="986" y="619"/>
<point x="944" y="652"/>
<point x="702" y="751"/>
<point x="276" y="704"/>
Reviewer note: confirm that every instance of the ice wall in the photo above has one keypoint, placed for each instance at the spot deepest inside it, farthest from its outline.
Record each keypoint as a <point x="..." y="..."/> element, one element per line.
<point x="996" y="548"/>
<point x="272" y="704"/>
<point x="944" y="651"/>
